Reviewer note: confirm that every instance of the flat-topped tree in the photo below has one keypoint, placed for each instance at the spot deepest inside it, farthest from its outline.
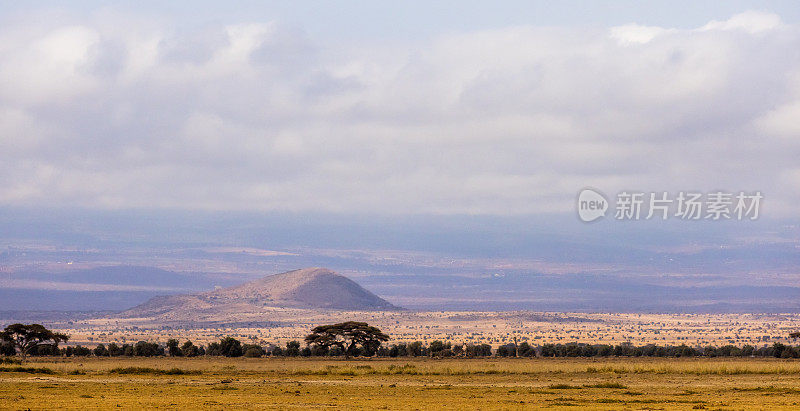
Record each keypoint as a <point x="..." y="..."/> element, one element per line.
<point x="26" y="337"/>
<point x="347" y="336"/>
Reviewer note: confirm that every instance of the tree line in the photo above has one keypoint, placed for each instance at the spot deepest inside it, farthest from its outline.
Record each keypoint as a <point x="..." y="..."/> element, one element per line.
<point x="524" y="349"/>
<point x="358" y="339"/>
<point x="231" y="347"/>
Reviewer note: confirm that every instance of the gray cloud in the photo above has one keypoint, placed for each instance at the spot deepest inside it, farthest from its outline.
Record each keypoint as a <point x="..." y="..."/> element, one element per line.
<point x="122" y="112"/>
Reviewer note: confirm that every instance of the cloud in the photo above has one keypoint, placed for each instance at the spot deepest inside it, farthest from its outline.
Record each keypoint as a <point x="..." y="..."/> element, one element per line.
<point x="782" y="121"/>
<point x="120" y="111"/>
<point x="749" y="21"/>
<point x="634" y="33"/>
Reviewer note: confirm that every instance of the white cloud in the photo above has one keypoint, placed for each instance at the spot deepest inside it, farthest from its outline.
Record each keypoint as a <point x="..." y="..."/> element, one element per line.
<point x="120" y="111"/>
<point x="783" y="121"/>
<point x="634" y="33"/>
<point x="749" y="21"/>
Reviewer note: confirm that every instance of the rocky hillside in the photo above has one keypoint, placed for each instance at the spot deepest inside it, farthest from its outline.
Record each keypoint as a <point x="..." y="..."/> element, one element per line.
<point x="306" y="288"/>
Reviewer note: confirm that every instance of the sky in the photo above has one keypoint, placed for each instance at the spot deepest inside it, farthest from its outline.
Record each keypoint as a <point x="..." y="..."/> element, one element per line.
<point x="442" y="108"/>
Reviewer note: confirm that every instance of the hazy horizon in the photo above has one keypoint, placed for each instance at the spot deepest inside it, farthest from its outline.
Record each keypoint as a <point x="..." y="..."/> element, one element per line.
<point x="557" y="263"/>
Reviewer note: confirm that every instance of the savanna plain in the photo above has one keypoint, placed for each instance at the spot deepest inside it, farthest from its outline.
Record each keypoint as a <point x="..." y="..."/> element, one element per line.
<point x="414" y="383"/>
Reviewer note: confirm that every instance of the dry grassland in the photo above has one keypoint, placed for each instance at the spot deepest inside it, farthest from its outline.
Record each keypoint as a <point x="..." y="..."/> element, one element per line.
<point x="217" y="383"/>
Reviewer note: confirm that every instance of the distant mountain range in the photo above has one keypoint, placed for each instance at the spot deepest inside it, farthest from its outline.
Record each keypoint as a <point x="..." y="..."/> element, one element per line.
<point x="306" y="288"/>
<point x="97" y="289"/>
<point x="182" y="295"/>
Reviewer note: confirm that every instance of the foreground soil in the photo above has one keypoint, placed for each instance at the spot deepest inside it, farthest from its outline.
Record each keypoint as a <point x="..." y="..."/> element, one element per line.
<point x="221" y="383"/>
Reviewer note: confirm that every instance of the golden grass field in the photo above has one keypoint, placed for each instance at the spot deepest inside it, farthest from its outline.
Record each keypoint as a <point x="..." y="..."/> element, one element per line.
<point x="222" y="383"/>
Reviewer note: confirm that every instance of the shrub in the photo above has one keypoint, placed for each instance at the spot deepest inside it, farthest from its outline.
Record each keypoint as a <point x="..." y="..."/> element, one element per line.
<point x="148" y="370"/>
<point x="100" y="351"/>
<point x="253" y="351"/>
<point x="607" y="385"/>
<point x="9" y="360"/>
<point x="31" y="370"/>
<point x="190" y="350"/>
<point x="228" y="346"/>
<point x="7" y="348"/>
<point x="292" y="349"/>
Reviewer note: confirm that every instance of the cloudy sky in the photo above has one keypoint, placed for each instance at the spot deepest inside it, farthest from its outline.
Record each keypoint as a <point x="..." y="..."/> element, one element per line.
<point x="395" y="107"/>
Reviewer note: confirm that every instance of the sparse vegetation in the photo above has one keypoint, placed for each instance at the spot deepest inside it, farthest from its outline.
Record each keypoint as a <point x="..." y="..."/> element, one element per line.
<point x="9" y="360"/>
<point x="612" y="385"/>
<point x="30" y="370"/>
<point x="148" y="370"/>
<point x="422" y="383"/>
<point x="350" y="360"/>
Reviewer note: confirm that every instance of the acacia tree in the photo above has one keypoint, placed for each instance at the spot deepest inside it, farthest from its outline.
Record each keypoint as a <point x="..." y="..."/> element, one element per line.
<point x="26" y="337"/>
<point x="347" y="336"/>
